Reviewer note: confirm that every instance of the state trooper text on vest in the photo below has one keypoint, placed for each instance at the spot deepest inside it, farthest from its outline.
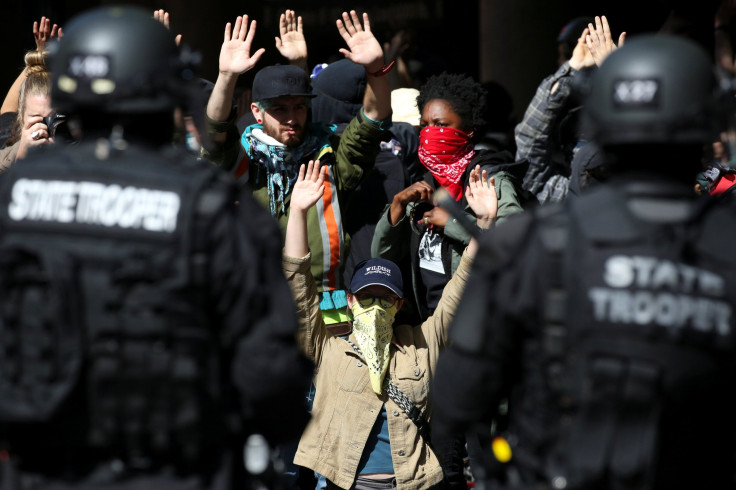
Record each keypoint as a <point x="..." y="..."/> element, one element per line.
<point x="648" y="290"/>
<point x="94" y="203"/>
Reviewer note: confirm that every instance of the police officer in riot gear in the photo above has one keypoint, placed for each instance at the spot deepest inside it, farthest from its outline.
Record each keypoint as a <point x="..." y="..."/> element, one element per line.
<point x="608" y="322"/>
<point x="145" y="326"/>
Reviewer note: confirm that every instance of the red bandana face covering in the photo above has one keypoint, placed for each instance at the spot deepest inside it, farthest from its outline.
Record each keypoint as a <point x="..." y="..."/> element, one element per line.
<point x="446" y="153"/>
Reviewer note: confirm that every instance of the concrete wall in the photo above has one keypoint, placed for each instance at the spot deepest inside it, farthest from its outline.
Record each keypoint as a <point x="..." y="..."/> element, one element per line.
<point x="517" y="44"/>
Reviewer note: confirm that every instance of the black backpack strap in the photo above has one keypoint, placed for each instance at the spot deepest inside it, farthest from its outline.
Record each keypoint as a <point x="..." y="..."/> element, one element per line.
<point x="555" y="239"/>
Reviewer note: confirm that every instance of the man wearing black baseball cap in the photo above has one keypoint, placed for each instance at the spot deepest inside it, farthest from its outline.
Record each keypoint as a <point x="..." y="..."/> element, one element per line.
<point x="280" y="94"/>
<point x="268" y="153"/>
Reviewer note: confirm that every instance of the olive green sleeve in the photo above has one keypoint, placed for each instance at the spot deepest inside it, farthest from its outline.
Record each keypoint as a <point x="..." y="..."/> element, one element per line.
<point x="225" y="154"/>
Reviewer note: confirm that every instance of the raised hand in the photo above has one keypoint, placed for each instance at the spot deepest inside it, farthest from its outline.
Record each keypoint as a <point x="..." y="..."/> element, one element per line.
<point x="235" y="57"/>
<point x="364" y="48"/>
<point x="599" y="40"/>
<point x="291" y="42"/>
<point x="581" y="56"/>
<point x="309" y="186"/>
<point x="163" y="16"/>
<point x="43" y="32"/>
<point x="481" y="197"/>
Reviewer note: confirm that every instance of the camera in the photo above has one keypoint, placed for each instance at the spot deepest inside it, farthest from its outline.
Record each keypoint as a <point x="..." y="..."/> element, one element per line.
<point x="415" y="217"/>
<point x="52" y="121"/>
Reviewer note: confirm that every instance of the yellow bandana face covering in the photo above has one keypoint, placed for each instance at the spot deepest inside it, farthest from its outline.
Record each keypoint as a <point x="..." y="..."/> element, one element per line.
<point x="373" y="328"/>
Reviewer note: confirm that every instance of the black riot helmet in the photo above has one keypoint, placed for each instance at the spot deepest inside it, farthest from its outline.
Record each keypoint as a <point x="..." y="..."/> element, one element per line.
<point x="117" y="60"/>
<point x="654" y="90"/>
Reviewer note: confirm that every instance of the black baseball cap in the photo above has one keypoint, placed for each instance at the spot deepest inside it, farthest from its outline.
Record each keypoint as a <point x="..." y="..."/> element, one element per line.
<point x="377" y="272"/>
<point x="280" y="80"/>
<point x="571" y="31"/>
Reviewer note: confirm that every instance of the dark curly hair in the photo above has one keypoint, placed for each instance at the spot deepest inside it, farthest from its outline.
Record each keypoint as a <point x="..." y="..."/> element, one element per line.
<point x="466" y="96"/>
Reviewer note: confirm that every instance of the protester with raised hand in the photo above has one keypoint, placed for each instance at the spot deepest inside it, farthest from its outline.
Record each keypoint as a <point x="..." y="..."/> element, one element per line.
<point x="43" y="32"/>
<point x="549" y="136"/>
<point x="267" y="156"/>
<point x="359" y="435"/>
<point x="413" y="229"/>
<point x="28" y="102"/>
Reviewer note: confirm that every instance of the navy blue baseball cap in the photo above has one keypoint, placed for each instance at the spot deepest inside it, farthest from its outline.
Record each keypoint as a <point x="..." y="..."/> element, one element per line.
<point x="377" y="272"/>
<point x="280" y="80"/>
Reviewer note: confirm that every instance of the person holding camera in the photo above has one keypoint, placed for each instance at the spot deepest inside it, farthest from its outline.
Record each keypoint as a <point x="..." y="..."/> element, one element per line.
<point x="26" y="117"/>
<point x="34" y="112"/>
<point x="412" y="225"/>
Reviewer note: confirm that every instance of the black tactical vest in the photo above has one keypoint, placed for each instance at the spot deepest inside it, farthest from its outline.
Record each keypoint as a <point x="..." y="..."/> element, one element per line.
<point x="633" y="372"/>
<point x="103" y="311"/>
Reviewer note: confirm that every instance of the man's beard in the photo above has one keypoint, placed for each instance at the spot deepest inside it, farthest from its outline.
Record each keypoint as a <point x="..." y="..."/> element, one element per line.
<point x="373" y="328"/>
<point x="278" y="133"/>
<point x="293" y="140"/>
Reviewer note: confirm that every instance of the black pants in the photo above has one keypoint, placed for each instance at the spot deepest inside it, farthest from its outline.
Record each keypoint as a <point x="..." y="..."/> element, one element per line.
<point x="452" y="450"/>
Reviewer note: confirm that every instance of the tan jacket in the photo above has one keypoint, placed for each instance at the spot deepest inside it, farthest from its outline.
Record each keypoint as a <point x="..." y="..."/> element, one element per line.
<point x="345" y="407"/>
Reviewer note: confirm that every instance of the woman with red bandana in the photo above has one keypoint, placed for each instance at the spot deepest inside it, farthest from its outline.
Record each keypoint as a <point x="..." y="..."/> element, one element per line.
<point x="413" y="226"/>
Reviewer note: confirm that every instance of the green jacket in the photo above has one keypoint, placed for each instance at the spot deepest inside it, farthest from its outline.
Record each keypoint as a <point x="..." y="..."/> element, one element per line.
<point x="349" y="156"/>
<point x="401" y="240"/>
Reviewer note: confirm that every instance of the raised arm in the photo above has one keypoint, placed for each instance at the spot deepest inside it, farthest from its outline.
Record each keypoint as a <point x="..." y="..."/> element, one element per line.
<point x="235" y="59"/>
<point x="11" y="101"/>
<point x="364" y="49"/>
<point x="163" y="16"/>
<point x="307" y="190"/>
<point x="291" y="42"/>
<point x="43" y="32"/>
<point x="534" y="135"/>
